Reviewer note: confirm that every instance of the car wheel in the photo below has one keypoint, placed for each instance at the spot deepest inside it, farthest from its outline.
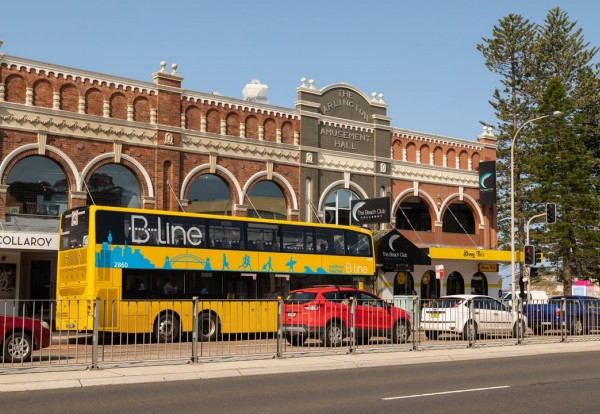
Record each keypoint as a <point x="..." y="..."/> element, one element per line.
<point x="167" y="328"/>
<point x="400" y="333"/>
<point x="577" y="327"/>
<point x="469" y="332"/>
<point x="519" y="325"/>
<point x="334" y="334"/>
<point x="432" y="335"/>
<point x="295" y="340"/>
<point x="18" y="347"/>
<point x="208" y="327"/>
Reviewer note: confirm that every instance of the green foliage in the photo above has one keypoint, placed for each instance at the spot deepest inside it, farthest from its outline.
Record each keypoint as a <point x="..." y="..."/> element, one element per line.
<point x="546" y="68"/>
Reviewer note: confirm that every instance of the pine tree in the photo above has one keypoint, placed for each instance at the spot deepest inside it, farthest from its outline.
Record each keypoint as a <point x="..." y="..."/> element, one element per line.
<point x="563" y="168"/>
<point x="508" y="53"/>
<point x="544" y="69"/>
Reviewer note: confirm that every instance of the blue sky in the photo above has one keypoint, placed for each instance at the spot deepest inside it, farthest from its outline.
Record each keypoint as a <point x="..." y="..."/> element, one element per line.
<point x="420" y="54"/>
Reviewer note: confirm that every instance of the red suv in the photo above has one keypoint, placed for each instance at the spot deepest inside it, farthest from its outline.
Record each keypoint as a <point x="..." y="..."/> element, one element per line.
<point x="324" y="312"/>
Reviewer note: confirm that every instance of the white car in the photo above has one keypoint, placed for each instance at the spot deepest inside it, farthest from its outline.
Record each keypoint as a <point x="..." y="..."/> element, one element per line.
<point x="470" y="316"/>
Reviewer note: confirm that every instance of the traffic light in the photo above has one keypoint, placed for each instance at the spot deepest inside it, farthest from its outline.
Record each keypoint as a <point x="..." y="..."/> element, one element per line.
<point x="550" y="212"/>
<point x="529" y="254"/>
<point x="539" y="256"/>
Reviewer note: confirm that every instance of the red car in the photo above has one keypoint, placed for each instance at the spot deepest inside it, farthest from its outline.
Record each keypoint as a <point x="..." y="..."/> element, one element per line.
<point x="324" y="312"/>
<point x="19" y="337"/>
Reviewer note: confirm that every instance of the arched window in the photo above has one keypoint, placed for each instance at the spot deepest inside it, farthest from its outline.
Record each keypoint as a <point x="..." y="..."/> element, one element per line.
<point x="266" y="200"/>
<point x="479" y="285"/>
<point x="458" y="218"/>
<point x="114" y="185"/>
<point x="37" y="185"/>
<point x="209" y="193"/>
<point x="337" y="206"/>
<point x="455" y="284"/>
<point x="413" y="214"/>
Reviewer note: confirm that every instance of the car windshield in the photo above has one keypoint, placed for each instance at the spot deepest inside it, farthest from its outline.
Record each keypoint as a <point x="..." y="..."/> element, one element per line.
<point x="445" y="303"/>
<point x="300" y="297"/>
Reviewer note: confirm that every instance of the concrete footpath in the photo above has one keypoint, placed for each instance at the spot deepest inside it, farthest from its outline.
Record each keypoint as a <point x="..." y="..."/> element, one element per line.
<point x="28" y="381"/>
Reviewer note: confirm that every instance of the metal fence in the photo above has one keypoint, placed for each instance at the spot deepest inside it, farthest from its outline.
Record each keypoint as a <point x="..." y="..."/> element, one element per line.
<point x="100" y="333"/>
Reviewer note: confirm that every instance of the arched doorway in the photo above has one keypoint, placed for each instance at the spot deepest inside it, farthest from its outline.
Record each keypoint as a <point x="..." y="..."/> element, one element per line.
<point x="479" y="285"/>
<point x="403" y="283"/>
<point x="455" y="284"/>
<point x="430" y="286"/>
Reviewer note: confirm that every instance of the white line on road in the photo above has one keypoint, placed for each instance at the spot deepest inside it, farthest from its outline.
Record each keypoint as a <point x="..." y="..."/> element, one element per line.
<point x="446" y="392"/>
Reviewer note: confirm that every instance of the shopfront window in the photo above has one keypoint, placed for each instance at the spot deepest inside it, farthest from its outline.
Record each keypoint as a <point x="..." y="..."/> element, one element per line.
<point x="37" y="185"/>
<point x="210" y="194"/>
<point x="114" y="185"/>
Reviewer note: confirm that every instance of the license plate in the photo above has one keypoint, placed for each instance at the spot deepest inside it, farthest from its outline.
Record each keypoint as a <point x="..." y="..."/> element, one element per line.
<point x="434" y="315"/>
<point x="291" y="314"/>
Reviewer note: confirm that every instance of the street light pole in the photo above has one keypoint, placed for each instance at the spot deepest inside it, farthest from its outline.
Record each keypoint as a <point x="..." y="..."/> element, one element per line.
<point x="512" y="200"/>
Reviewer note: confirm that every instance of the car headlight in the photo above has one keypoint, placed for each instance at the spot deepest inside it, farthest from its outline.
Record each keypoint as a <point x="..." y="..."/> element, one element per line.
<point x="45" y="325"/>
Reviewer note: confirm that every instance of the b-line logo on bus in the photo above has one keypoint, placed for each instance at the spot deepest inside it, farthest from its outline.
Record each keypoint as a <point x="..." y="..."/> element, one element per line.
<point x="117" y="256"/>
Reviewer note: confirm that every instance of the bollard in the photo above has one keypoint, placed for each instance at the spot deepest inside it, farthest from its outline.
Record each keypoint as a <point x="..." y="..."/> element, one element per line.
<point x="195" y="330"/>
<point x="415" y="323"/>
<point x="279" y="328"/>
<point x="352" y="326"/>
<point x="95" y="335"/>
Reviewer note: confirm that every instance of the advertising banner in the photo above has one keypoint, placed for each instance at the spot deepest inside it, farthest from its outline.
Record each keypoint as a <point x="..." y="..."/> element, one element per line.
<point x="487" y="182"/>
<point x="369" y="211"/>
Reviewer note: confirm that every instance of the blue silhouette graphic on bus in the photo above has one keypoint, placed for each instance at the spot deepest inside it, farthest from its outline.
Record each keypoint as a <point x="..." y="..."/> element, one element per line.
<point x="125" y="256"/>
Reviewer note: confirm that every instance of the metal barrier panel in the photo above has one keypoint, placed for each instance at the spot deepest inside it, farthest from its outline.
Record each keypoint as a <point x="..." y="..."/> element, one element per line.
<point x="47" y="334"/>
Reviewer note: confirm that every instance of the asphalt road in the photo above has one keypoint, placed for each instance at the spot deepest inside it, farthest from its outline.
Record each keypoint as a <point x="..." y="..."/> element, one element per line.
<point x="552" y="383"/>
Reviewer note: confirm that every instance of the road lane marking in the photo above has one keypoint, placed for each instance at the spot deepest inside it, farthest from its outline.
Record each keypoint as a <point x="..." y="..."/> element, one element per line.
<point x="446" y="392"/>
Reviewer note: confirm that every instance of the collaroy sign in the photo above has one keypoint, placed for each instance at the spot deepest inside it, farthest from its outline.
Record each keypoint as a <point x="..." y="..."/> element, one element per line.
<point x="28" y="241"/>
<point x="395" y="250"/>
<point x="372" y="210"/>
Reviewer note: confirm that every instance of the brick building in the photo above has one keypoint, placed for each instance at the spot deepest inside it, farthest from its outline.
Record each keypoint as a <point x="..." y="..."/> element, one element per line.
<point x="70" y="137"/>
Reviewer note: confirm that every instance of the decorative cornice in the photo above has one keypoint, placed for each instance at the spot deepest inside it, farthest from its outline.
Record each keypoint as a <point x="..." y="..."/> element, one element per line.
<point x="409" y="172"/>
<point x="362" y="166"/>
<point x="436" y="139"/>
<point x="62" y="125"/>
<point x="239" y="148"/>
<point x="83" y="75"/>
<point x="239" y="104"/>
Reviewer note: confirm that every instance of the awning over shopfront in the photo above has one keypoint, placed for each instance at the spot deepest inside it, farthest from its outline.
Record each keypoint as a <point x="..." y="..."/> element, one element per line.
<point x="394" y="251"/>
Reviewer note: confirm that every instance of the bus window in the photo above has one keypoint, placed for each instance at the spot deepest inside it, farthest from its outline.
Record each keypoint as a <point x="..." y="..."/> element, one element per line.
<point x="226" y="234"/>
<point x="262" y="235"/>
<point x="297" y="239"/>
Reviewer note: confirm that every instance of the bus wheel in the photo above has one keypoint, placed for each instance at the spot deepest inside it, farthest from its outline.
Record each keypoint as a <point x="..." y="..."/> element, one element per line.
<point x="208" y="327"/>
<point x="167" y="328"/>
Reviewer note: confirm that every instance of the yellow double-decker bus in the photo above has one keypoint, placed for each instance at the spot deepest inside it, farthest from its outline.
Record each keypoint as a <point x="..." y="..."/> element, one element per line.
<point x="146" y="266"/>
